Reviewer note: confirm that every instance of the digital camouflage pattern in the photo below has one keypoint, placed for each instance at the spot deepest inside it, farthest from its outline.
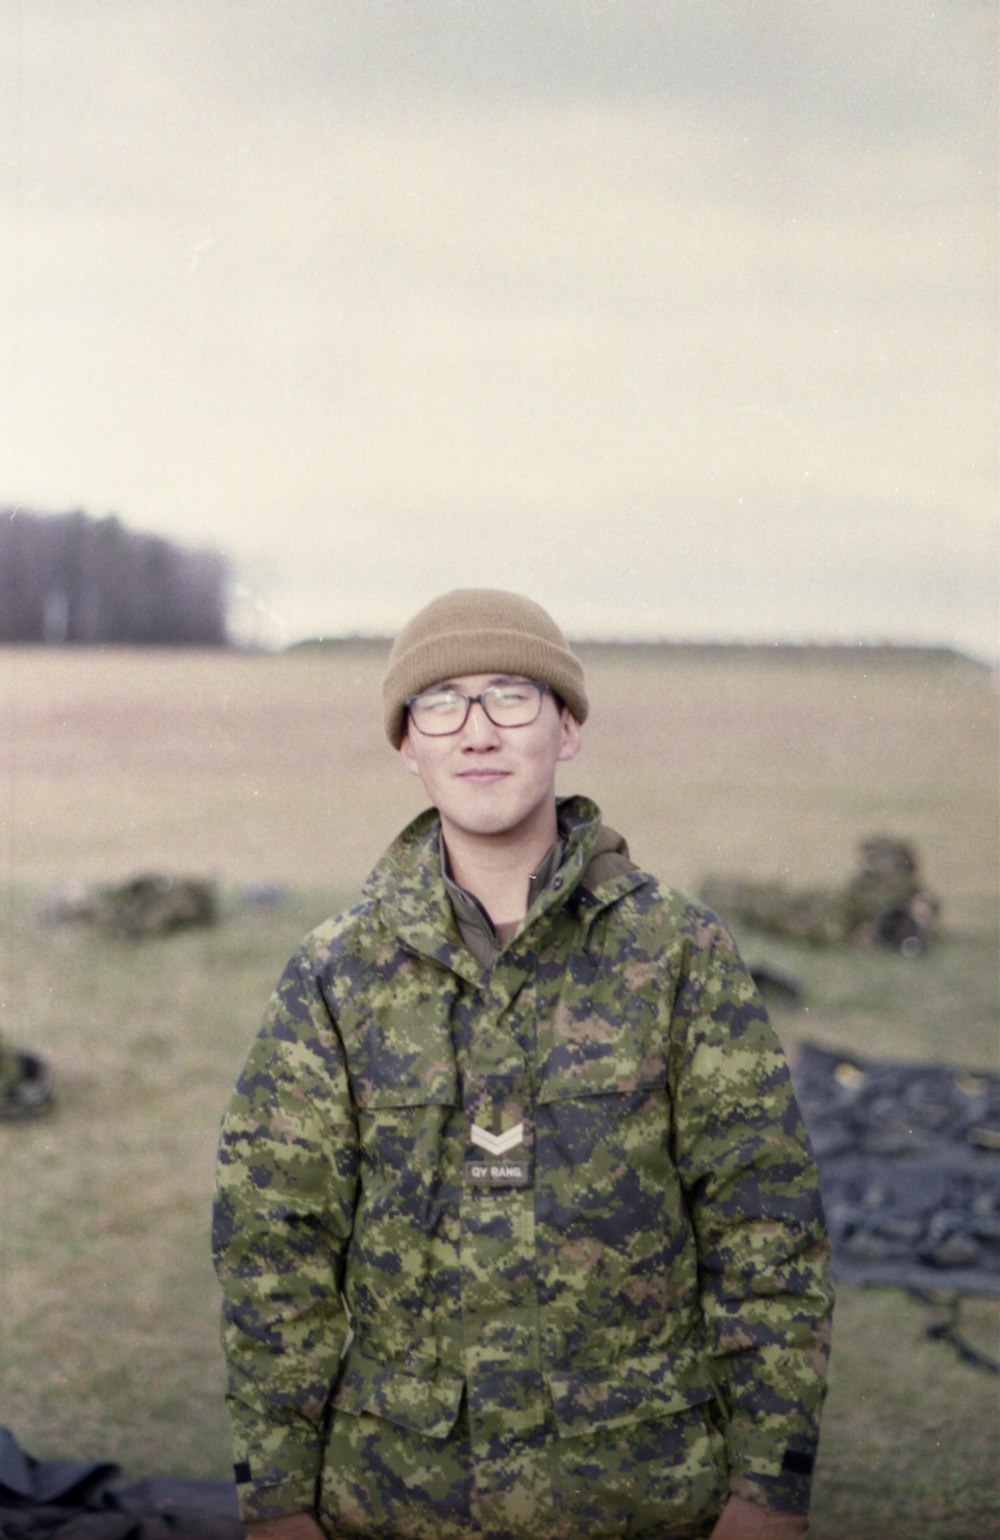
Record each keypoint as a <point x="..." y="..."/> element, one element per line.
<point x="593" y="1333"/>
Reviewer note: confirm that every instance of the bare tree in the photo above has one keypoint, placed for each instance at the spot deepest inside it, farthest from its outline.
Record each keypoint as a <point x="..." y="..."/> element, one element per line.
<point x="69" y="578"/>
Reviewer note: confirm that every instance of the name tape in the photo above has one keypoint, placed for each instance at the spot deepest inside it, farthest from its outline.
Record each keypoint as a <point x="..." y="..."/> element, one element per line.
<point x="498" y="1173"/>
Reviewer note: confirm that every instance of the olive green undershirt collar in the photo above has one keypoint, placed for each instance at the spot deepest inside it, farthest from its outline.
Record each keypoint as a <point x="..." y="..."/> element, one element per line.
<point x="484" y="939"/>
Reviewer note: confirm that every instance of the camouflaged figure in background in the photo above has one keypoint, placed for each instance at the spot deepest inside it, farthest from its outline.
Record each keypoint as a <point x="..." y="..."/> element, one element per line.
<point x="594" y="1321"/>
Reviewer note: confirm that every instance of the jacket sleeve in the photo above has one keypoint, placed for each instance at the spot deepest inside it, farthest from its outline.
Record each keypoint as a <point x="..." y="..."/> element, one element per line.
<point x="753" y="1192"/>
<point x="285" y="1190"/>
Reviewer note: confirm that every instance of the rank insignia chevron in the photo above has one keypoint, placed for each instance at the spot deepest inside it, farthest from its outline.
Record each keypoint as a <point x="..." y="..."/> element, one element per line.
<point x="497" y="1144"/>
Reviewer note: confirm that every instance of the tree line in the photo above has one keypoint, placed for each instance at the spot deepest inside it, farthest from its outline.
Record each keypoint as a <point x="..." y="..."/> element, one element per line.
<point x="67" y="577"/>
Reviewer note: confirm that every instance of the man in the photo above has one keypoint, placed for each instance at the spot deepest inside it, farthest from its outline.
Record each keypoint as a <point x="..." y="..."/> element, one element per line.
<point x="516" y="1223"/>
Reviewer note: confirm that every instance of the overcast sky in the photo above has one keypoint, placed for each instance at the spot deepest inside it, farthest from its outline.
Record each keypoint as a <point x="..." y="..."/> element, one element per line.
<point x="678" y="315"/>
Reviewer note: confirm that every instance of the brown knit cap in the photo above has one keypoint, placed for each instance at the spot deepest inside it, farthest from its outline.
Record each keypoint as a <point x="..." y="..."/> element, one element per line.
<point x="479" y="631"/>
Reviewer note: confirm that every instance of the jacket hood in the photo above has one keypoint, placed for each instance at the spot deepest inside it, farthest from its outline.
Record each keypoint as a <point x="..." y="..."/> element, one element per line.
<point x="408" y="885"/>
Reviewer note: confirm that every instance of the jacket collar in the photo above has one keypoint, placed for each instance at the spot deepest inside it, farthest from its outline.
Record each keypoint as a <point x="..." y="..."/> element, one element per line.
<point x="409" y="886"/>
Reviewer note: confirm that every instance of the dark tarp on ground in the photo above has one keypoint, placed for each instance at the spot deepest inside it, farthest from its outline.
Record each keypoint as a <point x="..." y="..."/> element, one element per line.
<point x="909" y="1160"/>
<point x="77" y="1500"/>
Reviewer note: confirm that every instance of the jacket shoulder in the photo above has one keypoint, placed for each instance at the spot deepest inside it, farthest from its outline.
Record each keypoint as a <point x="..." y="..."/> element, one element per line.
<point x="340" y="936"/>
<point x="665" y="917"/>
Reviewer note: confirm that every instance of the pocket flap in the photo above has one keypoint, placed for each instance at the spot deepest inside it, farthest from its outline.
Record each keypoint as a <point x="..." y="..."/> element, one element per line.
<point x="391" y="1078"/>
<point x="425" y="1403"/>
<point x="633" y="1390"/>
<point x="419" y="1087"/>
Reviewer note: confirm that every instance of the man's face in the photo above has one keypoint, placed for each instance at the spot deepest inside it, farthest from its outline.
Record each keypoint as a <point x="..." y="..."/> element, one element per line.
<point x="493" y="781"/>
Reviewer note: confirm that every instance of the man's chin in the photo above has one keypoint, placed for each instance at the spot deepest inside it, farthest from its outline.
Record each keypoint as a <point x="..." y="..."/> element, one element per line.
<point x="485" y="828"/>
<point x="486" y="822"/>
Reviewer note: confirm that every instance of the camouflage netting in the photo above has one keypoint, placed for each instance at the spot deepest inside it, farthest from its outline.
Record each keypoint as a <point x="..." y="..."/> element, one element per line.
<point x="883" y="903"/>
<point x="151" y="904"/>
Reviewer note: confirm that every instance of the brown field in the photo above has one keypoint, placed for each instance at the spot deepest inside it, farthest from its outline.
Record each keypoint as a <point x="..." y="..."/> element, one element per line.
<point x="275" y="767"/>
<point x="256" y="769"/>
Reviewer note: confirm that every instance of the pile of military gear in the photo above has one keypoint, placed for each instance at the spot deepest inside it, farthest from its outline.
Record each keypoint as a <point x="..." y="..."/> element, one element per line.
<point x="152" y="904"/>
<point x="884" y="903"/>
<point x="25" y="1085"/>
<point x="909" y="1161"/>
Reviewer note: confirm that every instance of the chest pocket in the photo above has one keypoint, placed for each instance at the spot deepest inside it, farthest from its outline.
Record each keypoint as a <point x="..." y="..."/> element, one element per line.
<point x="401" y="1066"/>
<point x="602" y="1099"/>
<point x="605" y="1033"/>
<point x="397" y="1038"/>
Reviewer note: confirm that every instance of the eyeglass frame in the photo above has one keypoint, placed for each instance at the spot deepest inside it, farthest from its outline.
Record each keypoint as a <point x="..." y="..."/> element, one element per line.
<point x="477" y="700"/>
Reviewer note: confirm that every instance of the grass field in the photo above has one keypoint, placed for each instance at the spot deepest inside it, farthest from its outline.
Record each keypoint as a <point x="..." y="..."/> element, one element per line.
<point x="274" y="770"/>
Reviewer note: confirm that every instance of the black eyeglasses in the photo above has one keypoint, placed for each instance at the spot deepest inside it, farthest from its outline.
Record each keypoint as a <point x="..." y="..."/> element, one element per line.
<point x="439" y="713"/>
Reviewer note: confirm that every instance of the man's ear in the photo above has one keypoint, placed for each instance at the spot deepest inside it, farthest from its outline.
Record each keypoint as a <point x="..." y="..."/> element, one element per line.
<point x="572" y="735"/>
<point x="407" y="755"/>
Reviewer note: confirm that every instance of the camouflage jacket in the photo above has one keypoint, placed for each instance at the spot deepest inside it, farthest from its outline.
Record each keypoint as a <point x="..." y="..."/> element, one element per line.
<point x="532" y="1252"/>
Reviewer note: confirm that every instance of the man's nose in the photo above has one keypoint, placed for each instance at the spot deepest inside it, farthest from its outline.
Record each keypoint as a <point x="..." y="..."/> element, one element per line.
<point x="479" y="732"/>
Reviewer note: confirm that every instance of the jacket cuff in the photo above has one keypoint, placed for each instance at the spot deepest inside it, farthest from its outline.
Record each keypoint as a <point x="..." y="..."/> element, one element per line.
<point x="786" y="1491"/>
<point x="295" y="1495"/>
<point x="277" y="1445"/>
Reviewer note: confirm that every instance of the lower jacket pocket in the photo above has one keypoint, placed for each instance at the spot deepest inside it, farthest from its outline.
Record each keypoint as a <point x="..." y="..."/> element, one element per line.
<point x="635" y="1450"/>
<point x="632" y="1390"/>
<point x="424" y="1402"/>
